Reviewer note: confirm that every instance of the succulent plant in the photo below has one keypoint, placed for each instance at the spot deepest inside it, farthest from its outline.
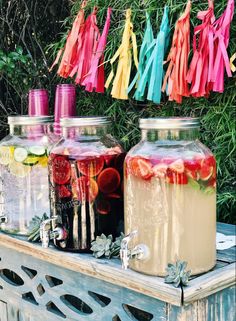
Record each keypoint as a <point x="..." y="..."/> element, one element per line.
<point x="34" y="228"/>
<point x="177" y="274"/>
<point x="104" y="246"/>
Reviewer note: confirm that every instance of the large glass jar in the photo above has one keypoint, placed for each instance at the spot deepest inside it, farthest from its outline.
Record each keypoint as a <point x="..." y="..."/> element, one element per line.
<point x="24" y="189"/>
<point x="170" y="196"/>
<point x="86" y="177"/>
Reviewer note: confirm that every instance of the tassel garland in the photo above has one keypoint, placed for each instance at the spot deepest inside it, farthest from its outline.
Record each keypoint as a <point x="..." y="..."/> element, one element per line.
<point x="176" y="73"/>
<point x="82" y="56"/>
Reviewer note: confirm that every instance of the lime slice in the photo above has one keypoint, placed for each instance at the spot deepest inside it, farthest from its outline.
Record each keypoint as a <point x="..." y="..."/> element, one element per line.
<point x="37" y="150"/>
<point x="6" y="154"/>
<point x="31" y="160"/>
<point x="18" y="169"/>
<point x="20" y="154"/>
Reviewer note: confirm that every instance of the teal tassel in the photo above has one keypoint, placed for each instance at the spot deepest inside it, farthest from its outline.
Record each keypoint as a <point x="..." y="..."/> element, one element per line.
<point x="152" y="75"/>
<point x="144" y="56"/>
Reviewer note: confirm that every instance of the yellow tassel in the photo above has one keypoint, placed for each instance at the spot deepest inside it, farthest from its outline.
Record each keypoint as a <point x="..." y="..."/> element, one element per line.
<point x="122" y="77"/>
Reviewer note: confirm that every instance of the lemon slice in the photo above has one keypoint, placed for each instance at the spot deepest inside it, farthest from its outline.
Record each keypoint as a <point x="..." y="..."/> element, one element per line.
<point x="18" y="169"/>
<point x="6" y="154"/>
<point x="31" y="160"/>
<point x="43" y="161"/>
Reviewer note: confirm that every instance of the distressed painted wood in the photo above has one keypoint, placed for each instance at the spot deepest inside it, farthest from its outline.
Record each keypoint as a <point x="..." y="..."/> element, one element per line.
<point x="3" y="311"/>
<point x="216" y="307"/>
<point x="98" y="290"/>
<point x="109" y="270"/>
<point x="229" y="254"/>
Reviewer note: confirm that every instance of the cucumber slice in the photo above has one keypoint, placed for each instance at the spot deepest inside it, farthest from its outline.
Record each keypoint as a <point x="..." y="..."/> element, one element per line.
<point x="31" y="161"/>
<point x="20" y="154"/>
<point x="37" y="150"/>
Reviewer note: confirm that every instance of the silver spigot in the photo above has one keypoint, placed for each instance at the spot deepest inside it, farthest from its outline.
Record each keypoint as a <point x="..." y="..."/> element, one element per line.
<point x="47" y="232"/>
<point x="139" y="252"/>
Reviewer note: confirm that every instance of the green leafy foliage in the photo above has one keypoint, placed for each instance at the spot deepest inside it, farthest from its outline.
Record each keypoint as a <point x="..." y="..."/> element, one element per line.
<point x="34" y="228"/>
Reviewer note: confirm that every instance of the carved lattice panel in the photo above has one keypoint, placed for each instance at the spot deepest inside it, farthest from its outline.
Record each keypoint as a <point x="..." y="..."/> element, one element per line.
<point x="50" y="293"/>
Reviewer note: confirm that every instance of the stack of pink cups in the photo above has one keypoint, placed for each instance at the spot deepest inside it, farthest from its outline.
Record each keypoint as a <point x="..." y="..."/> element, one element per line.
<point x="38" y="102"/>
<point x="65" y="104"/>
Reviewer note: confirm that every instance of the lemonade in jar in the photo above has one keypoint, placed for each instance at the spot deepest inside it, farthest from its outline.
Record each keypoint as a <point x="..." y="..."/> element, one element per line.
<point x="170" y="196"/>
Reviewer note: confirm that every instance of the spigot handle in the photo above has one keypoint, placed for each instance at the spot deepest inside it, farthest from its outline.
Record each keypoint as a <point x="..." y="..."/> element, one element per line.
<point x="45" y="228"/>
<point x="124" y="249"/>
<point x="47" y="233"/>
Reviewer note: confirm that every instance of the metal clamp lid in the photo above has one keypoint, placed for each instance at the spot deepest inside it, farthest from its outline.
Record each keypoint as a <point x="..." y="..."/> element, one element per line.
<point x="169" y="123"/>
<point x="84" y="121"/>
<point x="29" y="120"/>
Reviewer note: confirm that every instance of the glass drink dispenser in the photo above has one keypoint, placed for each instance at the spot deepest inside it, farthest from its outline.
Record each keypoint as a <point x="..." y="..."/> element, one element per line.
<point x="86" y="179"/>
<point x="24" y="191"/>
<point x="170" y="198"/>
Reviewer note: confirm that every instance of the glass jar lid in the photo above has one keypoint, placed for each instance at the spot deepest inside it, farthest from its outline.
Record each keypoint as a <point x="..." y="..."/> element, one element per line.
<point x="169" y="123"/>
<point x="29" y="120"/>
<point x="84" y="121"/>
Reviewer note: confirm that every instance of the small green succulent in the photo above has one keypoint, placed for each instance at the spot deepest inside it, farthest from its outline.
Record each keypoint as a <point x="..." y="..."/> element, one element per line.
<point x="177" y="274"/>
<point x="103" y="246"/>
<point x="34" y="228"/>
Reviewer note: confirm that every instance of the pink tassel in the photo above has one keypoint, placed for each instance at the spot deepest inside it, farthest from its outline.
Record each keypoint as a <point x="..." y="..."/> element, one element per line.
<point x="201" y="67"/>
<point x="90" y="39"/>
<point x="95" y="78"/>
<point x="221" y="42"/>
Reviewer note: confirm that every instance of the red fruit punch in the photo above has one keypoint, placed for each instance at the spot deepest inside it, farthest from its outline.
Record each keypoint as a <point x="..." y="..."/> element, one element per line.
<point x="85" y="189"/>
<point x="61" y="171"/>
<point x="91" y="166"/>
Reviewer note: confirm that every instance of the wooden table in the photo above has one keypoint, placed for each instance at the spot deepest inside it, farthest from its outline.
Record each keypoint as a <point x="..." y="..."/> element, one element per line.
<point x="39" y="284"/>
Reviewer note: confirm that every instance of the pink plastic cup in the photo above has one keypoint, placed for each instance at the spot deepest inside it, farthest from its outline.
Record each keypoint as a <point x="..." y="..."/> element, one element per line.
<point x="65" y="104"/>
<point x="38" y="102"/>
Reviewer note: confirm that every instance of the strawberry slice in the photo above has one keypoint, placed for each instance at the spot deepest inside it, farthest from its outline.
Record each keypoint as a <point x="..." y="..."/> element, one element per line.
<point x="192" y="164"/>
<point x="210" y="160"/>
<point x="205" y="172"/>
<point x="177" y="166"/>
<point x="192" y="174"/>
<point x="159" y="170"/>
<point x="140" y="167"/>
<point x="176" y="178"/>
